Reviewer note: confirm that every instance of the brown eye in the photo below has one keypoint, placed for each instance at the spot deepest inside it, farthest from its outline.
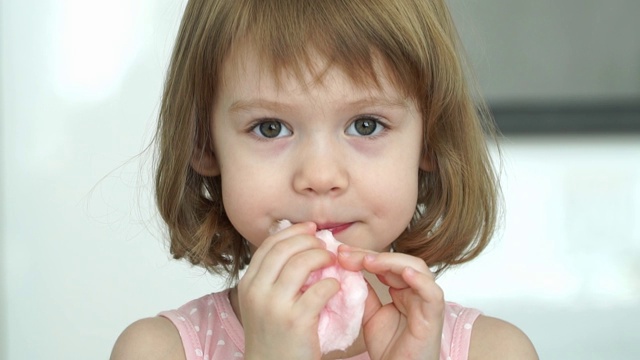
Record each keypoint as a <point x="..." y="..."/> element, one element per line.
<point x="271" y="129"/>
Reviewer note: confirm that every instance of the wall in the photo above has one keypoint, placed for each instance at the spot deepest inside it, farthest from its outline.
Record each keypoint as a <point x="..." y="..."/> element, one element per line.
<point x="82" y="255"/>
<point x="3" y="287"/>
<point x="82" y="252"/>
<point x="565" y="267"/>
<point x="553" y="51"/>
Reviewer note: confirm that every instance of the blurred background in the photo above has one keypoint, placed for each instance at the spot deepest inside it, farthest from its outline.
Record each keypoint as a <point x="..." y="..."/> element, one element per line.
<point x="82" y="253"/>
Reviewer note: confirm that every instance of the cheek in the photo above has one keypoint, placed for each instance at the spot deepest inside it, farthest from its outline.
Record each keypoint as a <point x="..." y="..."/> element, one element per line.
<point x="247" y="200"/>
<point x="404" y="197"/>
<point x="393" y="198"/>
<point x="233" y="198"/>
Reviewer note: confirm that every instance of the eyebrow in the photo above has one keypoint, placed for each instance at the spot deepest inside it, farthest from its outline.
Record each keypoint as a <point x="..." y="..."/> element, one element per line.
<point x="254" y="104"/>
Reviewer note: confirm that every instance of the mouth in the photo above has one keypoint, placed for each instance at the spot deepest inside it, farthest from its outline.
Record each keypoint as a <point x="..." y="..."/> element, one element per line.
<point x="334" y="228"/>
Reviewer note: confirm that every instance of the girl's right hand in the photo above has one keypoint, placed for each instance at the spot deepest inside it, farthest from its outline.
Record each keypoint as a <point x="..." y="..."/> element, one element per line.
<point x="280" y="321"/>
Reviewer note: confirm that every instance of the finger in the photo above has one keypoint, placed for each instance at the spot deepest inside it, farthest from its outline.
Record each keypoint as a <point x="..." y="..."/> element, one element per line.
<point x="392" y="280"/>
<point x="307" y="228"/>
<point x="266" y="266"/>
<point x="389" y="267"/>
<point x="424" y="285"/>
<point x="352" y="258"/>
<point x="394" y="263"/>
<point x="266" y="271"/>
<point x="423" y="318"/>
<point x="372" y="304"/>
<point x="314" y="299"/>
<point x="422" y="302"/>
<point x="295" y="273"/>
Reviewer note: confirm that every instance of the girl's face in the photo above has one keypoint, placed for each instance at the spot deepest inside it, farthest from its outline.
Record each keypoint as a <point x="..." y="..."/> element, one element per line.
<point x="342" y="156"/>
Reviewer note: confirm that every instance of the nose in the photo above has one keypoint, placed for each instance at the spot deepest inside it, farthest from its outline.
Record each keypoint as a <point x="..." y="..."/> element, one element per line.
<point x="320" y="169"/>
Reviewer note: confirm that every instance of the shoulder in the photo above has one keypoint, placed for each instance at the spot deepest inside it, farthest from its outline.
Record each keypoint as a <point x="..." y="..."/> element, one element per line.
<point x="493" y="338"/>
<point x="151" y="338"/>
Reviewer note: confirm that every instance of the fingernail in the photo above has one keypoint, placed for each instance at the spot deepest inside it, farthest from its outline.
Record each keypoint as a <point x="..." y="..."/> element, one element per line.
<point x="410" y="271"/>
<point x="369" y="257"/>
<point x="345" y="253"/>
<point x="333" y="257"/>
<point x="344" y="247"/>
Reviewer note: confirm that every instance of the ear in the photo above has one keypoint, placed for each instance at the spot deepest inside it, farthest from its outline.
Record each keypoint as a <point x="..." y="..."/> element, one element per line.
<point x="428" y="161"/>
<point x="204" y="162"/>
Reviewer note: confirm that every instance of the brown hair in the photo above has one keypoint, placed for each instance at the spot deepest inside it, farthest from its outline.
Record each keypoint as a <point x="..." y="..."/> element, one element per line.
<point x="457" y="201"/>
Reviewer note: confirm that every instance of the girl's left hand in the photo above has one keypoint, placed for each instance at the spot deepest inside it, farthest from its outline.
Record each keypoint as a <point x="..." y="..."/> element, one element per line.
<point x="410" y="327"/>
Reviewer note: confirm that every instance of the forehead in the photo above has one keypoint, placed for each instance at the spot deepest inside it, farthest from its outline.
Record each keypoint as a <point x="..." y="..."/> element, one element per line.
<point x="250" y="73"/>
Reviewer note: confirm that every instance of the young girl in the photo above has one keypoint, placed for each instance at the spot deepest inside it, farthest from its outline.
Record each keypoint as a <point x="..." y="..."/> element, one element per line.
<point x="350" y="116"/>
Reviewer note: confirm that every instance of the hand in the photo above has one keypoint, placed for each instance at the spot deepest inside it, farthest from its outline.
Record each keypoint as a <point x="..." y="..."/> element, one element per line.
<point x="280" y="321"/>
<point x="410" y="327"/>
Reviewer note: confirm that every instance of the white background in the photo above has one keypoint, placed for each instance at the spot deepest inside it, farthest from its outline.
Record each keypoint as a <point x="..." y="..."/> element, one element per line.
<point x="82" y="253"/>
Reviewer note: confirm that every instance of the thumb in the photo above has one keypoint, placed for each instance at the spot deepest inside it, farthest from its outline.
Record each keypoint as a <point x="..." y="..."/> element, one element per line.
<point x="371" y="305"/>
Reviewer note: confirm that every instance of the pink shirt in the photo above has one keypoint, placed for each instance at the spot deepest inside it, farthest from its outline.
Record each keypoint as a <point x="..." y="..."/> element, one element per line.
<point x="210" y="329"/>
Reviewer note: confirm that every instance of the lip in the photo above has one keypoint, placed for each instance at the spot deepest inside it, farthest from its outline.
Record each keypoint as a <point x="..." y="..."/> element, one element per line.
<point x="335" y="228"/>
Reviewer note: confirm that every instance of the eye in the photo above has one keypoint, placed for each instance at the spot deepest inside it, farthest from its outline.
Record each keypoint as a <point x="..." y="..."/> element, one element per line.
<point x="270" y="129"/>
<point x="365" y="126"/>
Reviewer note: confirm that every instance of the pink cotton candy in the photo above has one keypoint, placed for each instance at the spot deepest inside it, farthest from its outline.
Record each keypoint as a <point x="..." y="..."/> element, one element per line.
<point x="341" y="319"/>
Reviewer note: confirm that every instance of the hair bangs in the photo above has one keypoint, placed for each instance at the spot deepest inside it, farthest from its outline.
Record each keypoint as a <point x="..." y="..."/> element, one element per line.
<point x="359" y="38"/>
